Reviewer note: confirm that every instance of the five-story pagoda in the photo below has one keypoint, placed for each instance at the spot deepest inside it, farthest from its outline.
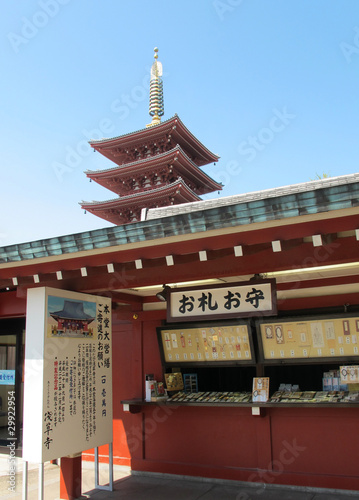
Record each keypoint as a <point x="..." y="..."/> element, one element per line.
<point x="154" y="167"/>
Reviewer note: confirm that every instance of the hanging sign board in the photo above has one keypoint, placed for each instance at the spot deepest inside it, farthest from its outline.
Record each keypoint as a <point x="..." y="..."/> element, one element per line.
<point x="230" y="300"/>
<point x="68" y="374"/>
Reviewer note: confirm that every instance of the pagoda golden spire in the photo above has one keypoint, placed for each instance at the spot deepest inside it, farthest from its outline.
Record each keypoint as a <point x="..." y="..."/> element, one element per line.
<point x="156" y="108"/>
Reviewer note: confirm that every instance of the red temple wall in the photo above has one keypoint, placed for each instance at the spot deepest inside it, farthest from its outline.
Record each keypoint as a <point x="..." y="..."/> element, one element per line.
<point x="11" y="306"/>
<point x="302" y="446"/>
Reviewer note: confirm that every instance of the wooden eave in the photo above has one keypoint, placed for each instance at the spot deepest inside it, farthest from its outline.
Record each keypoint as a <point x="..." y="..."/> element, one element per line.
<point x="329" y="202"/>
<point x="258" y="256"/>
<point x="173" y="127"/>
<point x="112" y="210"/>
<point x="295" y="219"/>
<point x="182" y="165"/>
<point x="145" y="196"/>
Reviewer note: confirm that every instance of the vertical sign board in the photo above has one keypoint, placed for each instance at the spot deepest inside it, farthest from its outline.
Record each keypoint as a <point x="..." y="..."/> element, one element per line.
<point x="68" y="374"/>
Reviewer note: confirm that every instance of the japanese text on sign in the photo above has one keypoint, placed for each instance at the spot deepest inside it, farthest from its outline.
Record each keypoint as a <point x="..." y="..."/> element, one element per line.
<point x="229" y="300"/>
<point x="72" y="411"/>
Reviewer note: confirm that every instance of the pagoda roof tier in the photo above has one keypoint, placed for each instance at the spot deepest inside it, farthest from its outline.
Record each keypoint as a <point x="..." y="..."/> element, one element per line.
<point x="155" y="171"/>
<point x="153" y="140"/>
<point x="127" y="209"/>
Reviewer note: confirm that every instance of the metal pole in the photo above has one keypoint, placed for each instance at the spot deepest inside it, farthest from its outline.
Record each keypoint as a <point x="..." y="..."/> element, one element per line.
<point x="41" y="481"/>
<point x="96" y="468"/>
<point x="110" y="464"/>
<point x="24" y="480"/>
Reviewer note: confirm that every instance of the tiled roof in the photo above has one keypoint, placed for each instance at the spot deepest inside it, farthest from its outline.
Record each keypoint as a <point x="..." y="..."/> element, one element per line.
<point x="175" y="157"/>
<point x="177" y="150"/>
<point x="174" y="125"/>
<point x="292" y="189"/>
<point x="147" y="129"/>
<point x="106" y="139"/>
<point x="190" y="218"/>
<point x="142" y="195"/>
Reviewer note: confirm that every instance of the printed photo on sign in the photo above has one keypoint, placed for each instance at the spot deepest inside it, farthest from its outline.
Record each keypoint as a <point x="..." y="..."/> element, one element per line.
<point x="70" y="318"/>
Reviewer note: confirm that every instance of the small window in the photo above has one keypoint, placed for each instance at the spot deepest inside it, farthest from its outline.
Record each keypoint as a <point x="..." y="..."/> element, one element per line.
<point x="7" y="357"/>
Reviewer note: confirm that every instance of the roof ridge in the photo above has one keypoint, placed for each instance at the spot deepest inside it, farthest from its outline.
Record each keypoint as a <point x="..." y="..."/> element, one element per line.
<point x="266" y="193"/>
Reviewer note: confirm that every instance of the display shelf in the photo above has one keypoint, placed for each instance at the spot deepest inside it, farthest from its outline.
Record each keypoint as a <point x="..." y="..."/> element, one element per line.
<point x="298" y="348"/>
<point x="136" y="404"/>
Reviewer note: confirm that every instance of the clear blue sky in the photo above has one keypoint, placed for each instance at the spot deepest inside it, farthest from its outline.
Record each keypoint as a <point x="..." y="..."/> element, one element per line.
<point x="271" y="86"/>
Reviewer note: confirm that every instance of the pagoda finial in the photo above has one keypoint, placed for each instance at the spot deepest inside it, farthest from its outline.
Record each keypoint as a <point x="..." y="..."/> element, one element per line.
<point x="156" y="91"/>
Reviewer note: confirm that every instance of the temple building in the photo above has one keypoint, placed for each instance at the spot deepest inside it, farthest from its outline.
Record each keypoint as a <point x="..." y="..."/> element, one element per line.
<point x="252" y="298"/>
<point x="157" y="166"/>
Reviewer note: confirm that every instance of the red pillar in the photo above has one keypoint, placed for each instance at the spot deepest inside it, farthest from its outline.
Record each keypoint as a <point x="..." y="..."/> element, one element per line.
<point x="70" y="478"/>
